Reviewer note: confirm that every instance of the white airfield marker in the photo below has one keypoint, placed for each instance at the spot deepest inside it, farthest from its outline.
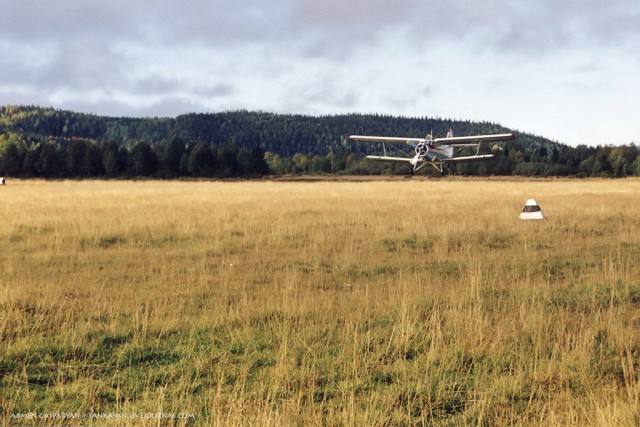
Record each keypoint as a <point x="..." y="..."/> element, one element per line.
<point x="531" y="210"/>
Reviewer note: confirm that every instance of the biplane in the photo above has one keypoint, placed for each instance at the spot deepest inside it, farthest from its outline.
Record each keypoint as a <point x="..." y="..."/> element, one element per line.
<point x="437" y="152"/>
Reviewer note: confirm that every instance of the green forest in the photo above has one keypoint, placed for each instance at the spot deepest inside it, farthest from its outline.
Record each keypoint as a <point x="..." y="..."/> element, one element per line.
<point x="51" y="143"/>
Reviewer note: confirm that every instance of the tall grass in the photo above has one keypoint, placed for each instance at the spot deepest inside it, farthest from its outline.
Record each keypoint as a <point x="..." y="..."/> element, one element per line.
<point x="385" y="302"/>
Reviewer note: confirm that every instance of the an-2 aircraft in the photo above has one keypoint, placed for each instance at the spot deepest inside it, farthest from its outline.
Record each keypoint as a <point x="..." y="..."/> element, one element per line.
<point x="437" y="152"/>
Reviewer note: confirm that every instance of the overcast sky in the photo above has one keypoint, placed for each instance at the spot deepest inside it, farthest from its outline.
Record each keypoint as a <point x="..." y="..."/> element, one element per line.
<point x="568" y="70"/>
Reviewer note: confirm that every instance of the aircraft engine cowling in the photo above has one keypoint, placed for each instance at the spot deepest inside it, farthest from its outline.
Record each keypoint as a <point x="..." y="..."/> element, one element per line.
<point x="422" y="149"/>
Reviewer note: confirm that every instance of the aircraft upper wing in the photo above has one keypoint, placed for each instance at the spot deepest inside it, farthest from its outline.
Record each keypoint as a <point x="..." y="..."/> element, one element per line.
<point x="456" y="141"/>
<point x="472" y="140"/>
<point x="389" y="139"/>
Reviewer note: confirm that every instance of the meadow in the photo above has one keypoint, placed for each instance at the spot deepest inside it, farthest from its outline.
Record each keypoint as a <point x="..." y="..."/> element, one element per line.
<point x="387" y="302"/>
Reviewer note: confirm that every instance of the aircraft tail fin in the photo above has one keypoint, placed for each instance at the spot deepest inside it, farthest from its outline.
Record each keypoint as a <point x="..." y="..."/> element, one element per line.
<point x="448" y="151"/>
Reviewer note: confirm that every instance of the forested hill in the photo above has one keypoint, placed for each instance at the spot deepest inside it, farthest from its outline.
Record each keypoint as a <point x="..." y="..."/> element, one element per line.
<point x="284" y="135"/>
<point x="44" y="142"/>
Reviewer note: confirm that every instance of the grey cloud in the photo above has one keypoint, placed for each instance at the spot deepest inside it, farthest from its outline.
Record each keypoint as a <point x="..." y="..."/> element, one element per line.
<point x="219" y="90"/>
<point x="57" y="67"/>
<point x="325" y="25"/>
<point x="497" y="25"/>
<point x="550" y="25"/>
<point x="217" y="23"/>
<point x="314" y="101"/>
<point x="62" y="20"/>
<point x="117" y="46"/>
<point x="338" y="15"/>
<point x="83" y="67"/>
<point x="155" y="84"/>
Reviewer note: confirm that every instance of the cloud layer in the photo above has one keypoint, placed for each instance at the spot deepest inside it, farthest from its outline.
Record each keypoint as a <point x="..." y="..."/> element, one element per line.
<point x="498" y="60"/>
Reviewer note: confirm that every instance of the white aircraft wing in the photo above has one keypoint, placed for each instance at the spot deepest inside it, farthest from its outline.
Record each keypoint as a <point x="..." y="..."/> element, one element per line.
<point x="473" y="140"/>
<point x="392" y="159"/>
<point x="389" y="139"/>
<point x="468" y="158"/>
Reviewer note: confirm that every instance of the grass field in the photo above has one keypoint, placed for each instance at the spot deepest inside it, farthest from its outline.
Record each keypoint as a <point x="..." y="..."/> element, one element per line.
<point x="409" y="301"/>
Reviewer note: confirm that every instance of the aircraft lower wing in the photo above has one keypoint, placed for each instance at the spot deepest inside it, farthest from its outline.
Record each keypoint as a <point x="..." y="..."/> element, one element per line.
<point x="391" y="159"/>
<point x="468" y="158"/>
<point x="433" y="159"/>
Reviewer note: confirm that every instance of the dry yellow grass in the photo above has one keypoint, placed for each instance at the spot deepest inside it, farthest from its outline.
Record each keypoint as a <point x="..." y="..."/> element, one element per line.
<point x="274" y="303"/>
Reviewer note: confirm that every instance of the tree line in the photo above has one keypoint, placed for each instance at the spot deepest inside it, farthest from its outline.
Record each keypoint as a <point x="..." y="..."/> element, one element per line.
<point x="44" y="142"/>
<point x="80" y="158"/>
<point x="85" y="159"/>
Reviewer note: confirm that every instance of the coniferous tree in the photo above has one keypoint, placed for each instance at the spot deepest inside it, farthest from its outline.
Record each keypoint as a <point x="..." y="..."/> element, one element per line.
<point x="76" y="152"/>
<point x="173" y="155"/>
<point x="226" y="162"/>
<point x="92" y="165"/>
<point x="30" y="163"/>
<point x="51" y="163"/>
<point x="143" y="160"/>
<point x="110" y="162"/>
<point x="11" y="159"/>
<point x="201" y="162"/>
<point x="257" y="164"/>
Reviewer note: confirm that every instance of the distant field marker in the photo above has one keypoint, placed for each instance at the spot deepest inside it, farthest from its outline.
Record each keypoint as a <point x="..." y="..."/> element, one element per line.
<point x="531" y="210"/>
